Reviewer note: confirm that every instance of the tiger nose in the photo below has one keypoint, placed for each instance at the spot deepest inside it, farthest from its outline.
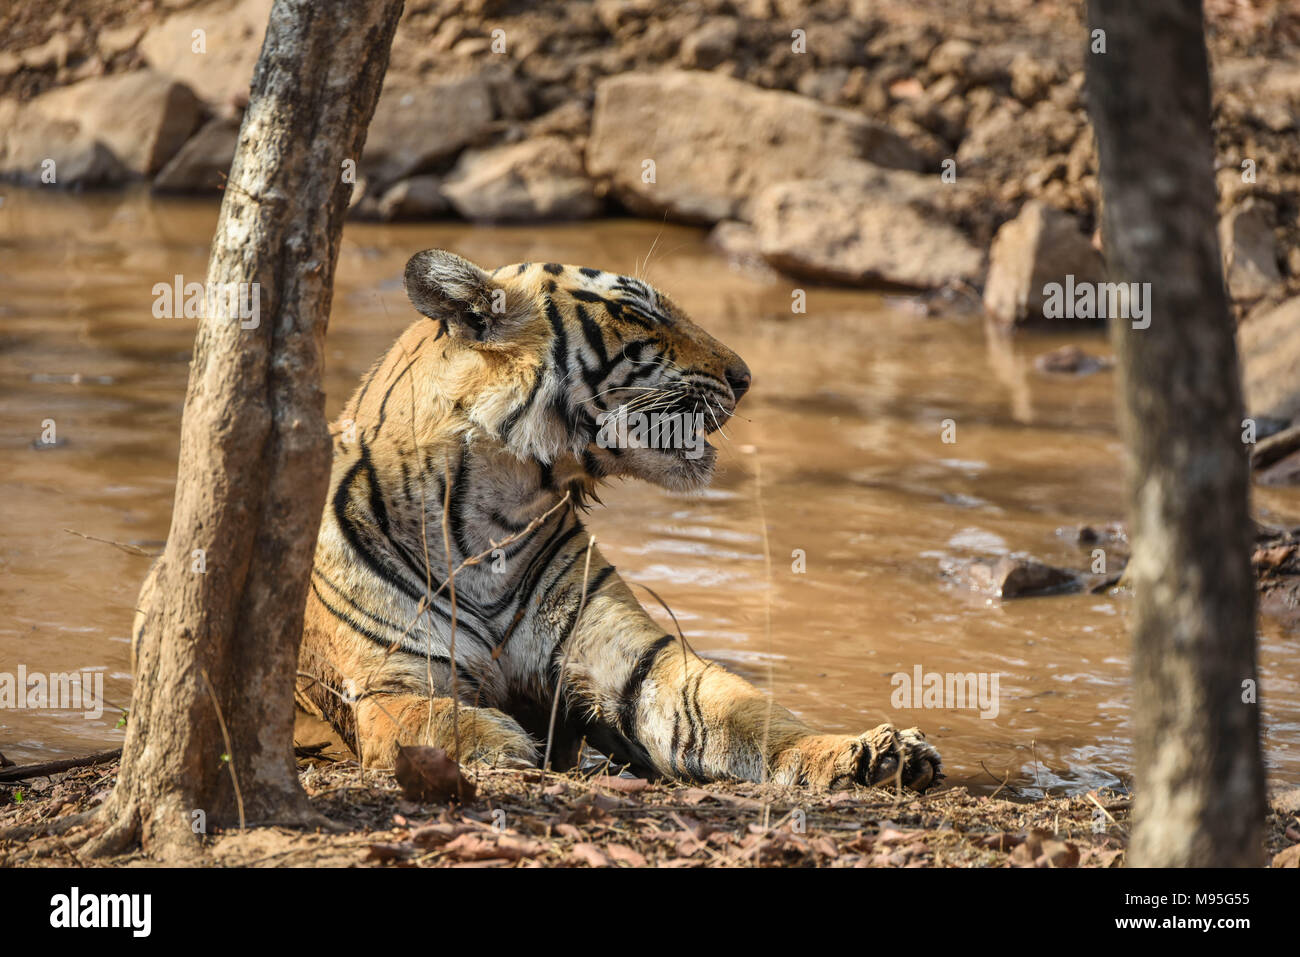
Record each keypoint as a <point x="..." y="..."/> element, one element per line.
<point x="739" y="380"/>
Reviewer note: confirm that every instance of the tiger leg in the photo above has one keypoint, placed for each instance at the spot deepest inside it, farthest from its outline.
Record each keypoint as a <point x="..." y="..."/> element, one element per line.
<point x="486" y="735"/>
<point x="663" y="706"/>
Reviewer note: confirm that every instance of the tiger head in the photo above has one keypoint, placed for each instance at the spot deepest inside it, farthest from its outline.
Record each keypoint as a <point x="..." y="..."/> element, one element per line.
<point x="573" y="363"/>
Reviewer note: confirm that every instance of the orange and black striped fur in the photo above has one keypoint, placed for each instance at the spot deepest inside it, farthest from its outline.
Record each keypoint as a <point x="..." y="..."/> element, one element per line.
<point x="485" y="415"/>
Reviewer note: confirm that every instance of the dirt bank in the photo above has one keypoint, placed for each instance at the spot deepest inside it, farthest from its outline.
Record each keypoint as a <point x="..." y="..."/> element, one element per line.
<point x="526" y="819"/>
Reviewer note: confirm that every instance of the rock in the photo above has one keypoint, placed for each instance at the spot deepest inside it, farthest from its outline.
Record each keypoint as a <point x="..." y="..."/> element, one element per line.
<point x="872" y="228"/>
<point x="28" y="139"/>
<point x="1070" y="360"/>
<point x="538" y="179"/>
<point x="739" y="243"/>
<point x="998" y="140"/>
<point x="825" y="85"/>
<point x="415" y="127"/>
<point x="952" y="58"/>
<point x="1285" y="801"/>
<point x="1270" y="358"/>
<point x="712" y="43"/>
<point x="232" y="35"/>
<point x="1249" y="250"/>
<point x="1042" y="245"/>
<point x="112" y="41"/>
<point x="1030" y="79"/>
<point x="55" y="52"/>
<point x="572" y="118"/>
<point x="143" y="117"/>
<point x="716" y="142"/>
<point x="203" y="162"/>
<point x="1021" y="577"/>
<point x="417" y="197"/>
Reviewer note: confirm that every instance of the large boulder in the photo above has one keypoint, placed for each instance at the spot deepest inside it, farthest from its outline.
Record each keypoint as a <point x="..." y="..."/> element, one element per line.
<point x="143" y="117"/>
<point x="39" y="151"/>
<point x="716" y="142"/>
<point x="1041" y="246"/>
<point x="538" y="179"/>
<point x="230" y="41"/>
<point x="1270" y="359"/>
<point x="203" y="162"/>
<point x="871" y="228"/>
<point x="415" y="127"/>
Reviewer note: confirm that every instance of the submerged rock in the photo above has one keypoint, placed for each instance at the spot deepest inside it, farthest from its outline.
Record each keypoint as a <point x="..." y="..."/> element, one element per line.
<point x="1021" y="577"/>
<point x="1071" y="360"/>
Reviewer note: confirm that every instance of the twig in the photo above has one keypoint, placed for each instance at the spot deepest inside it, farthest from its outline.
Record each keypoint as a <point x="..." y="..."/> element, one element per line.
<point x="1092" y="796"/>
<point x="230" y="751"/>
<point x="1004" y="783"/>
<point x="129" y="549"/>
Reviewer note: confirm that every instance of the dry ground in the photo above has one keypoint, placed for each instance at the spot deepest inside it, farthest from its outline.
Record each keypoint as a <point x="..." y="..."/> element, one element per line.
<point x="527" y="819"/>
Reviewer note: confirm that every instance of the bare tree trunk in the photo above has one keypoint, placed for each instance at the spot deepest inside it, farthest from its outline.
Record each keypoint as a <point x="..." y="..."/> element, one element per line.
<point x="1199" y="779"/>
<point x="221" y="612"/>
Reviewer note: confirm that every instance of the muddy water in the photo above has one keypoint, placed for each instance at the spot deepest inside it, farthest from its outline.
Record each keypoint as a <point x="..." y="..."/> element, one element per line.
<point x="839" y="447"/>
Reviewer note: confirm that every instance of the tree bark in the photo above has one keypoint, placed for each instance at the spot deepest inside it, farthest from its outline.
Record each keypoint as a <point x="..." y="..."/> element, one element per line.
<point x="218" y="633"/>
<point x="1198" y="775"/>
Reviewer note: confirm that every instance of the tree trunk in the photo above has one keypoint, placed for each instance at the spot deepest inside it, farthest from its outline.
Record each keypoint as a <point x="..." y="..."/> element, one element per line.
<point x="1198" y="776"/>
<point x="210" y="736"/>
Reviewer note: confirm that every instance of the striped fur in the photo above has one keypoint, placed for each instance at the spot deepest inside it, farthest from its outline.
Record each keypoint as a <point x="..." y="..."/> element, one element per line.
<point x="489" y="406"/>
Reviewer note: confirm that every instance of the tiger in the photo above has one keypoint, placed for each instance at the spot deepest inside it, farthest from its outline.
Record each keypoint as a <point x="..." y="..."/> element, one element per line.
<point x="456" y="598"/>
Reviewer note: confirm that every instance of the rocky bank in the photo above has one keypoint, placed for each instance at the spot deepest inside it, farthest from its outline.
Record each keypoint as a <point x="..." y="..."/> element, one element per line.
<point x="924" y="145"/>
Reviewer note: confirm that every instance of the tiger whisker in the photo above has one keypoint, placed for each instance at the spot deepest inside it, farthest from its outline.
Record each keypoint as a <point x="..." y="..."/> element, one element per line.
<point x="709" y="406"/>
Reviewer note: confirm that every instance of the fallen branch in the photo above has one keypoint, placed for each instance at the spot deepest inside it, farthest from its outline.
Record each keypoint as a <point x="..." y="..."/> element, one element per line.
<point x="1275" y="447"/>
<point x="24" y="771"/>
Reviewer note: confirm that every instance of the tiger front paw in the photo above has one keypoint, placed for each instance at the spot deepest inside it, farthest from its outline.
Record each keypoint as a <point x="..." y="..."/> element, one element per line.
<point x="835" y="762"/>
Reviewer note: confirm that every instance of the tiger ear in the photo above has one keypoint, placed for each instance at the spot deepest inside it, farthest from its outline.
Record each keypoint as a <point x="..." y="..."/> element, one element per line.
<point x="468" y="302"/>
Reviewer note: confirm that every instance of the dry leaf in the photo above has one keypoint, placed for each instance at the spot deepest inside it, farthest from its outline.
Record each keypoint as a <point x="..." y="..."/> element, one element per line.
<point x="626" y="785"/>
<point x="589" y="854"/>
<point x="429" y="774"/>
<point x="389" y="852"/>
<point x="625" y="855"/>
